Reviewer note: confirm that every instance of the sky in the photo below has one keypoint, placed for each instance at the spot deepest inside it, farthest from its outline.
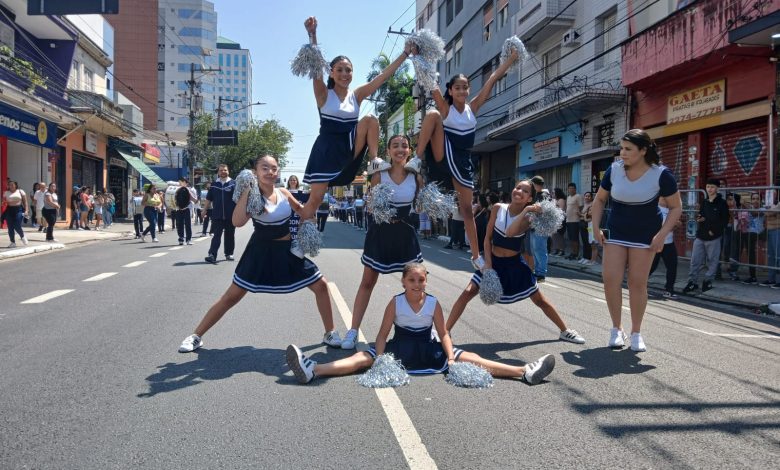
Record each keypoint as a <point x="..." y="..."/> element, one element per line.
<point x="273" y="32"/>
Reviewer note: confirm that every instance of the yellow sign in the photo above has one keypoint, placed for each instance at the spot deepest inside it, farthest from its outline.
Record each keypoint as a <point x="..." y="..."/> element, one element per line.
<point x="43" y="132"/>
<point x="696" y="102"/>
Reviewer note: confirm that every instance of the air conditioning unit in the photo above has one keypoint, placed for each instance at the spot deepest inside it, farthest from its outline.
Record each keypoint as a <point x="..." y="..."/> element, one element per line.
<point x="570" y="38"/>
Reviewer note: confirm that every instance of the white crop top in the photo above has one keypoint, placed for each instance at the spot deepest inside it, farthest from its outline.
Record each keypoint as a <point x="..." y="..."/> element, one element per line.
<point x="460" y="123"/>
<point x="405" y="317"/>
<point x="338" y="110"/>
<point x="275" y="214"/>
<point x="403" y="194"/>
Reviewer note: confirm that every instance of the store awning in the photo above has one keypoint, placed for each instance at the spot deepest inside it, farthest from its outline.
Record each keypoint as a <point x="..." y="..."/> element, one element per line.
<point x="142" y="168"/>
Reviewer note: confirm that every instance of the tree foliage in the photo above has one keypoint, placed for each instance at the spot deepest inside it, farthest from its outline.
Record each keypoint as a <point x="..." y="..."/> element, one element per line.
<point x="393" y="94"/>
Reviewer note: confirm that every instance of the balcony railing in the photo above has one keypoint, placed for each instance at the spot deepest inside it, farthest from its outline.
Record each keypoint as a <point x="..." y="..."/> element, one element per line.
<point x="538" y="20"/>
<point x="86" y="99"/>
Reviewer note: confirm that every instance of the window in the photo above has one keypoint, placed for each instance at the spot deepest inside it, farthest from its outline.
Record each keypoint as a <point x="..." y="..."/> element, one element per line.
<point x="172" y="82"/>
<point x="448" y="8"/>
<point x="448" y="58"/>
<point x="500" y="85"/>
<point x="551" y="65"/>
<point x="420" y="22"/>
<point x="194" y="50"/>
<point x="89" y="80"/>
<point x="243" y="74"/>
<point x="458" y="6"/>
<point x="605" y="134"/>
<point x="429" y="10"/>
<point x="486" y="71"/>
<point x="503" y="12"/>
<point x="197" y="32"/>
<point x="220" y="60"/>
<point x="487" y="22"/>
<point x="458" y="50"/>
<point x="75" y="76"/>
<point x="606" y="38"/>
<point x="243" y="61"/>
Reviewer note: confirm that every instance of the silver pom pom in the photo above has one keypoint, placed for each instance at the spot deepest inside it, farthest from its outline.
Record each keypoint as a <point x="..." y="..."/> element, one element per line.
<point x="309" y="61"/>
<point x="549" y="220"/>
<point x="436" y="204"/>
<point x="309" y="238"/>
<point x="386" y="372"/>
<point x="425" y="73"/>
<point x="429" y="45"/>
<point x="490" y="289"/>
<point x="379" y="203"/>
<point x="246" y="180"/>
<point x="468" y="375"/>
<point x="514" y="44"/>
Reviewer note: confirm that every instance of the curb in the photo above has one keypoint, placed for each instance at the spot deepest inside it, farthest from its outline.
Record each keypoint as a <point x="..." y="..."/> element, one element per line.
<point x="30" y="250"/>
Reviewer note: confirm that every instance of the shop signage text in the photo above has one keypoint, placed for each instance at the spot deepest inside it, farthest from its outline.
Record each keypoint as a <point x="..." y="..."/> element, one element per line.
<point x="547" y="148"/>
<point x="24" y="127"/>
<point x="696" y="102"/>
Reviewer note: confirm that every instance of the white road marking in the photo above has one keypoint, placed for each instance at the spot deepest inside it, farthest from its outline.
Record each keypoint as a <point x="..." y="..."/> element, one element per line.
<point x="733" y="335"/>
<point x="425" y="246"/>
<point x="547" y="284"/>
<point x="175" y="248"/>
<point x="200" y="239"/>
<point x="604" y="301"/>
<point x="134" y="264"/>
<point x="465" y="259"/>
<point x="51" y="295"/>
<point x="408" y="438"/>
<point x="445" y="252"/>
<point x="157" y="255"/>
<point x="99" y="277"/>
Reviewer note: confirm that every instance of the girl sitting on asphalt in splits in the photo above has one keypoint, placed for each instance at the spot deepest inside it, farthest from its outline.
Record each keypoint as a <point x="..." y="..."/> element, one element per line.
<point x="267" y="264"/>
<point x="503" y="241"/>
<point x="414" y="313"/>
<point x="446" y="135"/>
<point x="337" y="152"/>
<point x="389" y="246"/>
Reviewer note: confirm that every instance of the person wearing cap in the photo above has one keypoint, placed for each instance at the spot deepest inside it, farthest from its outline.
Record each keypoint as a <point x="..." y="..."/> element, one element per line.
<point x="712" y="219"/>
<point x="539" y="242"/>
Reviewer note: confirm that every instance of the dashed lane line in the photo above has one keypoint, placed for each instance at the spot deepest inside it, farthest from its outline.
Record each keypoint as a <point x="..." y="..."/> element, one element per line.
<point x="174" y="248"/>
<point x="548" y="284"/>
<point x="134" y="264"/>
<point x="604" y="301"/>
<point x="408" y="438"/>
<point x="51" y="295"/>
<point x="99" y="277"/>
<point x="157" y="255"/>
<point x="733" y="335"/>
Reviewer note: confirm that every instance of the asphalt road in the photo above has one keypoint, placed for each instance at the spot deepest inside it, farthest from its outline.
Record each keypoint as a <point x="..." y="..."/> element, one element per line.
<point x="91" y="379"/>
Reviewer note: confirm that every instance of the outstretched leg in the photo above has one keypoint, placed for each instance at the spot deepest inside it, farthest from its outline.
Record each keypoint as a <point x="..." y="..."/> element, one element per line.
<point x="464" y="205"/>
<point x="464" y="298"/>
<point x="316" y="194"/>
<point x="320" y="289"/>
<point x="230" y="298"/>
<point x="431" y="131"/>
<point x="496" y="369"/>
<point x="363" y="296"/>
<point x="549" y="309"/>
<point x="349" y="365"/>
<point x="367" y="135"/>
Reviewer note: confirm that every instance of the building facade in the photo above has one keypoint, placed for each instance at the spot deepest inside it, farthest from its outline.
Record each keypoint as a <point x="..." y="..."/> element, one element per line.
<point x="234" y="84"/>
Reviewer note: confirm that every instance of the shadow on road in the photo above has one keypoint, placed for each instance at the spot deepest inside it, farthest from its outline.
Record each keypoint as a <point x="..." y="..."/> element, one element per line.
<point x="598" y="363"/>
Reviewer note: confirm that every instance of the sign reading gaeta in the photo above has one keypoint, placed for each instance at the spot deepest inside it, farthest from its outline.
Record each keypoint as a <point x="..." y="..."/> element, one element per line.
<point x="696" y="103"/>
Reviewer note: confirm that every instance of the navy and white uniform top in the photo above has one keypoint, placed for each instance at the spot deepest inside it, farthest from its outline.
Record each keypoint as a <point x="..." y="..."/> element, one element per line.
<point x="274" y="222"/>
<point x="407" y="318"/>
<point x="503" y="220"/>
<point x="403" y="194"/>
<point x="634" y="217"/>
<point x="338" y="116"/>
<point x="459" y="131"/>
<point x="462" y="125"/>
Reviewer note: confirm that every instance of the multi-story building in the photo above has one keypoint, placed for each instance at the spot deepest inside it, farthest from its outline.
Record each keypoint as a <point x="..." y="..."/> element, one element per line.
<point x="234" y="84"/>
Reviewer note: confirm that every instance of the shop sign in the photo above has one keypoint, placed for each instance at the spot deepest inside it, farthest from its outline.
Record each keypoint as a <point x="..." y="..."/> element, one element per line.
<point x="91" y="142"/>
<point x="18" y="125"/>
<point x="117" y="162"/>
<point x="696" y="102"/>
<point x="547" y="148"/>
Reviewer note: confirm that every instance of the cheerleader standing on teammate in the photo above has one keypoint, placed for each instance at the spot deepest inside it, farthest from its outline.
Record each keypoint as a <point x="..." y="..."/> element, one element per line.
<point x="267" y="264"/>
<point x="337" y="152"/>
<point x="449" y="131"/>
<point x="388" y="247"/>
<point x="414" y="313"/>
<point x="503" y="241"/>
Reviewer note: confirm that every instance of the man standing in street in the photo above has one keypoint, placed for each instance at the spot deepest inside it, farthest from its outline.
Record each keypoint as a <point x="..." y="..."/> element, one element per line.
<point x="712" y="219"/>
<point x="184" y="197"/>
<point x="539" y="242"/>
<point x="574" y="203"/>
<point x="220" y="200"/>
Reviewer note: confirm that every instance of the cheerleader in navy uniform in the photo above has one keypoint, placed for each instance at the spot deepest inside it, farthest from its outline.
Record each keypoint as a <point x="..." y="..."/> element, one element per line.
<point x="414" y="313"/>
<point x="446" y="135"/>
<point x="633" y="186"/>
<point x="503" y="241"/>
<point x="388" y="247"/>
<point x="337" y="153"/>
<point x="267" y="264"/>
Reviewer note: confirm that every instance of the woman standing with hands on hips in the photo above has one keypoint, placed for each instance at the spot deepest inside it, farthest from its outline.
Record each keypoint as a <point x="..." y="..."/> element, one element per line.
<point x="633" y="185"/>
<point x="449" y="131"/>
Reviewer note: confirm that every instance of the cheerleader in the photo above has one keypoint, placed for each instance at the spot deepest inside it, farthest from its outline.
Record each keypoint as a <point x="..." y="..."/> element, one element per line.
<point x="413" y="313"/>
<point x="503" y="241"/>
<point x="446" y="135"/>
<point x="267" y="264"/>
<point x="337" y="152"/>
<point x="388" y="247"/>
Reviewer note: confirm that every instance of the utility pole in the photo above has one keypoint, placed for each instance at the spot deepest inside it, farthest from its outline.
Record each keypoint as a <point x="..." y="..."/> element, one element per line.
<point x="192" y="84"/>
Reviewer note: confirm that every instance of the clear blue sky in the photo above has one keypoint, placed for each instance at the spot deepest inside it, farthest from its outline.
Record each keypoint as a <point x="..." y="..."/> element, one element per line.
<point x="273" y="31"/>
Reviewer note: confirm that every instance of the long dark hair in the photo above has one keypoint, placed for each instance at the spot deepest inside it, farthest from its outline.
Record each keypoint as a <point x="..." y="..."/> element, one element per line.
<point x="533" y="189"/>
<point x="643" y="140"/>
<point x="260" y="157"/>
<point x="559" y="194"/>
<point x="336" y="60"/>
<point x="459" y="76"/>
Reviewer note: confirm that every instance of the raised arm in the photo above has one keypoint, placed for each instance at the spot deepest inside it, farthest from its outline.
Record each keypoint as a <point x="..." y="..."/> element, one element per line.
<point x="364" y="91"/>
<point x="484" y="92"/>
<point x="320" y="88"/>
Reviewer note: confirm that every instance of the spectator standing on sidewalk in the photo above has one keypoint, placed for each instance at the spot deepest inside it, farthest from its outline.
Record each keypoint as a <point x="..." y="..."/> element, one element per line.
<point x="772" y="244"/>
<point x="37" y="206"/>
<point x="668" y="254"/>
<point x="137" y="210"/>
<point x="749" y="224"/>
<point x="539" y="242"/>
<point x="574" y="205"/>
<point x="16" y="210"/>
<point x="732" y="202"/>
<point x="184" y="197"/>
<point x="50" y="207"/>
<point x="84" y="207"/>
<point x="109" y="207"/>
<point x="205" y="210"/>
<point x="558" y="238"/>
<point x="75" y="202"/>
<point x="712" y="219"/>
<point x="98" y="203"/>
<point x="220" y="200"/>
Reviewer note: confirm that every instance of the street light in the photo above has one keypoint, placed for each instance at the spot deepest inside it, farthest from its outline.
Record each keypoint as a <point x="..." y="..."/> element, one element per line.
<point x="220" y="112"/>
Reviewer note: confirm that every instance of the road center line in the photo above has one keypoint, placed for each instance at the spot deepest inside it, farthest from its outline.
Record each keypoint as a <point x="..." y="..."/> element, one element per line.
<point x="51" y="295"/>
<point x="733" y="335"/>
<point x="200" y="239"/>
<point x="445" y="252"/>
<point x="425" y="246"/>
<point x="405" y="433"/>
<point x="604" y="301"/>
<point x="175" y="248"/>
<point x="547" y="284"/>
<point x="99" y="277"/>
<point x="134" y="264"/>
<point x="157" y="255"/>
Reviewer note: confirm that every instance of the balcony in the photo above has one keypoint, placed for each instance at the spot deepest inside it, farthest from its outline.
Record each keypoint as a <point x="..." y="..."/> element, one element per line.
<point x="99" y="113"/>
<point x="538" y="20"/>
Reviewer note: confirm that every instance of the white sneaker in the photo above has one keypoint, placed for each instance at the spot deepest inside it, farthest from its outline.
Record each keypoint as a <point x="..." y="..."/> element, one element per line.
<point x="24" y="240"/>
<point x="189" y="242"/>
<point x="478" y="263"/>
<point x="12" y="245"/>
<point x="617" y="339"/>
<point x="536" y="371"/>
<point x="300" y="365"/>
<point x="143" y="238"/>
<point x="332" y="339"/>
<point x="350" y="339"/>
<point x="190" y="343"/>
<point x="376" y="165"/>
<point x="637" y="343"/>
<point x="414" y="165"/>
<point x="571" y="336"/>
<point x="295" y="248"/>
<point x="155" y="240"/>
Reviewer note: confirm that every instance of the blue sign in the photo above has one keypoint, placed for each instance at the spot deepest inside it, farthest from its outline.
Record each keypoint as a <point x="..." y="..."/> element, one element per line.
<point x="24" y="127"/>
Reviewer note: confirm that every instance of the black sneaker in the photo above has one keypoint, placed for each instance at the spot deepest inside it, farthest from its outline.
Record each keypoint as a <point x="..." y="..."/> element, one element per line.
<point x="775" y="286"/>
<point x="229" y="257"/>
<point x="690" y="288"/>
<point x="669" y="294"/>
<point x="750" y="280"/>
<point x="539" y="279"/>
<point x="705" y="286"/>
<point x="211" y="259"/>
<point x="766" y="283"/>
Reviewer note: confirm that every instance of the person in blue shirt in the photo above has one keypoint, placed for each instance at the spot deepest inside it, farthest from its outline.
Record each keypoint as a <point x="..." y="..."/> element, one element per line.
<point x="220" y="200"/>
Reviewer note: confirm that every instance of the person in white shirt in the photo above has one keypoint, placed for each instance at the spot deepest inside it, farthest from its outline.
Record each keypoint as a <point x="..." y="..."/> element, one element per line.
<point x="38" y="202"/>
